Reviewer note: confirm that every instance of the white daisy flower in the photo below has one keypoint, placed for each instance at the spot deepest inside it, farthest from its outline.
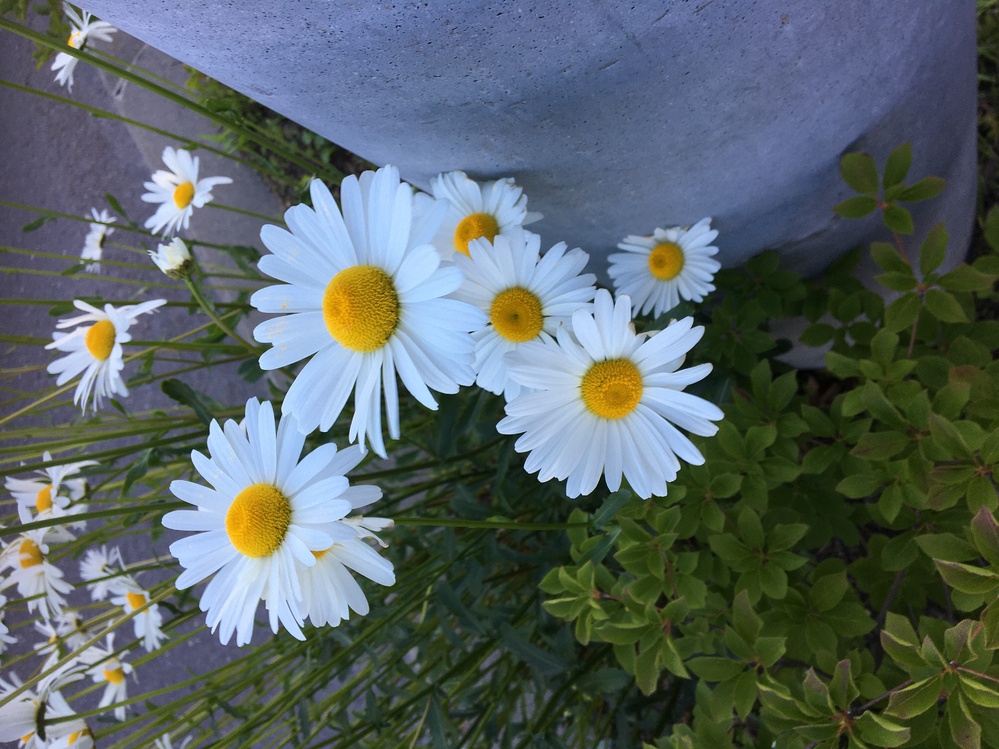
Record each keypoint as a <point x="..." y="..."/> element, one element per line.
<point x="673" y="264"/>
<point x="62" y="634"/>
<point x="50" y="496"/>
<point x="79" y="738"/>
<point x="84" y="29"/>
<point x="477" y="211"/>
<point x="108" y="669"/>
<point x="526" y="297"/>
<point x="37" y="580"/>
<point x="364" y="292"/>
<point x="71" y="628"/>
<point x="266" y="511"/>
<point x="102" y="570"/>
<point x="5" y="637"/>
<point x="179" y="191"/>
<point x="93" y="244"/>
<point x="29" y="716"/>
<point x="174" y="258"/>
<point x="149" y="623"/>
<point x="95" y="350"/>
<point x="606" y="402"/>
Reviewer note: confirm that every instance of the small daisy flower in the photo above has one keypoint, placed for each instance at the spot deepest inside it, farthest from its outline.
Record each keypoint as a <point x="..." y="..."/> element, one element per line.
<point x="476" y="211"/>
<point x="605" y="401"/>
<point x="673" y="264"/>
<point x="102" y="570"/>
<point x="95" y="349"/>
<point x="79" y="738"/>
<point x="266" y="512"/>
<point x="31" y="712"/>
<point x="37" y="580"/>
<point x="364" y="295"/>
<point x="527" y="298"/>
<point x="93" y="244"/>
<point x="50" y="496"/>
<point x="174" y="258"/>
<point x="149" y="623"/>
<point x="84" y="28"/>
<point x="110" y="670"/>
<point x="179" y="191"/>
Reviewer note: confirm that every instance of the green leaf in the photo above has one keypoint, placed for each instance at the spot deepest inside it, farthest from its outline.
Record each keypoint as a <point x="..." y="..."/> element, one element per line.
<point x="992" y="228"/>
<point x="115" y="205"/>
<point x="887" y="257"/>
<point x="745" y="621"/>
<point x="933" y="249"/>
<point x="538" y="660"/>
<point x="944" y="306"/>
<point x="614" y="502"/>
<point x="902" y="313"/>
<point x="860" y="172"/>
<point x="604" y="681"/>
<point x="966" y="278"/>
<point x="842" y="688"/>
<point x="816" y="693"/>
<point x="966" y="733"/>
<point x="647" y="670"/>
<point x="711" y="668"/>
<point x="785" y="535"/>
<point x="966" y="578"/>
<point x="828" y="591"/>
<point x="897" y="165"/>
<point x="184" y="394"/>
<point x="898" y="220"/>
<point x="915" y="699"/>
<point x="745" y="694"/>
<point x="880" y="731"/>
<point x="897" y="281"/>
<point x="856" y="207"/>
<point x="985" y="533"/>
<point x="926" y="188"/>
<point x="880" y="445"/>
<point x="37" y="223"/>
<point x="981" y="693"/>
<point x="859" y="485"/>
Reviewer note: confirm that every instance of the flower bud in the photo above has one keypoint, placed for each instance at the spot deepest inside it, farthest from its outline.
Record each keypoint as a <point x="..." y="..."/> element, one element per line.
<point x="174" y="259"/>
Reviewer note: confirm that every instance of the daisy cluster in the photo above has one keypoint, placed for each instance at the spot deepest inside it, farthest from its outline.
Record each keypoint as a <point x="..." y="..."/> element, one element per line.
<point x="68" y="649"/>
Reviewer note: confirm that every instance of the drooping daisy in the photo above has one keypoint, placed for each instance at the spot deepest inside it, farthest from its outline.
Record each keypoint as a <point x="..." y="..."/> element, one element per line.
<point x="477" y="211"/>
<point x="148" y="624"/>
<point x="37" y="580"/>
<point x="61" y="635"/>
<point x="93" y="244"/>
<point x="84" y="29"/>
<point x="31" y="714"/>
<point x="605" y="401"/>
<point x="364" y="292"/>
<point x="50" y="496"/>
<point x="110" y="670"/>
<point x="102" y="570"/>
<point x="673" y="264"/>
<point x="174" y="259"/>
<point x="265" y="512"/>
<point x="179" y="191"/>
<point x="95" y="350"/>
<point x="329" y="591"/>
<point x="526" y="297"/>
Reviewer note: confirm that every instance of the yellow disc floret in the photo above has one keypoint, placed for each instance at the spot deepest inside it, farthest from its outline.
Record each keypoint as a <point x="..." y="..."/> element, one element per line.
<point x="114" y="675"/>
<point x="29" y="554"/>
<point x="257" y="520"/>
<point x="75" y="39"/>
<point x="135" y="600"/>
<point x="474" y="226"/>
<point x="666" y="261"/>
<point x="183" y="194"/>
<point x="99" y="339"/>
<point x="611" y="389"/>
<point x="361" y="308"/>
<point x="43" y="500"/>
<point x="516" y="314"/>
<point x="77" y="735"/>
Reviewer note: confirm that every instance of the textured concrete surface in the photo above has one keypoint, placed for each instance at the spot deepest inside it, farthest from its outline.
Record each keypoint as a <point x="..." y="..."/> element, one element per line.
<point x="615" y="116"/>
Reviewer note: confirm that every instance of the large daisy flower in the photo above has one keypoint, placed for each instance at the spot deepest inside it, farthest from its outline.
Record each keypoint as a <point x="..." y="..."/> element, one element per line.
<point x="179" y="191"/>
<point x="606" y="401"/>
<point x="95" y="349"/>
<point x="265" y="513"/>
<point x="364" y="291"/>
<point x="93" y="243"/>
<point x="50" y="496"/>
<point x="673" y="264"/>
<point x="477" y="211"/>
<point x="527" y="298"/>
<point x="84" y="28"/>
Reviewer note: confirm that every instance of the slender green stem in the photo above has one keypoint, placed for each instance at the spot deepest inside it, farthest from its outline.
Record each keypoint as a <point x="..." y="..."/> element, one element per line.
<point x="209" y="310"/>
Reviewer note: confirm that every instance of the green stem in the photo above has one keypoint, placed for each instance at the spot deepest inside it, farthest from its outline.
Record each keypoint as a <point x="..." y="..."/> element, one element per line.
<point x="210" y="311"/>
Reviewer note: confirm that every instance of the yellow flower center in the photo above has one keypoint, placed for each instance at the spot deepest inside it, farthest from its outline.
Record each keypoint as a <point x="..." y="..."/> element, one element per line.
<point x="474" y="226"/>
<point x="611" y="389"/>
<point x="75" y="40"/>
<point x="29" y="554"/>
<point x="183" y="194"/>
<point x="135" y="600"/>
<point x="666" y="261"/>
<point x="257" y="520"/>
<point x="77" y="735"/>
<point x="361" y="308"/>
<point x="516" y="314"/>
<point x="99" y="339"/>
<point x="114" y="675"/>
<point x="43" y="500"/>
